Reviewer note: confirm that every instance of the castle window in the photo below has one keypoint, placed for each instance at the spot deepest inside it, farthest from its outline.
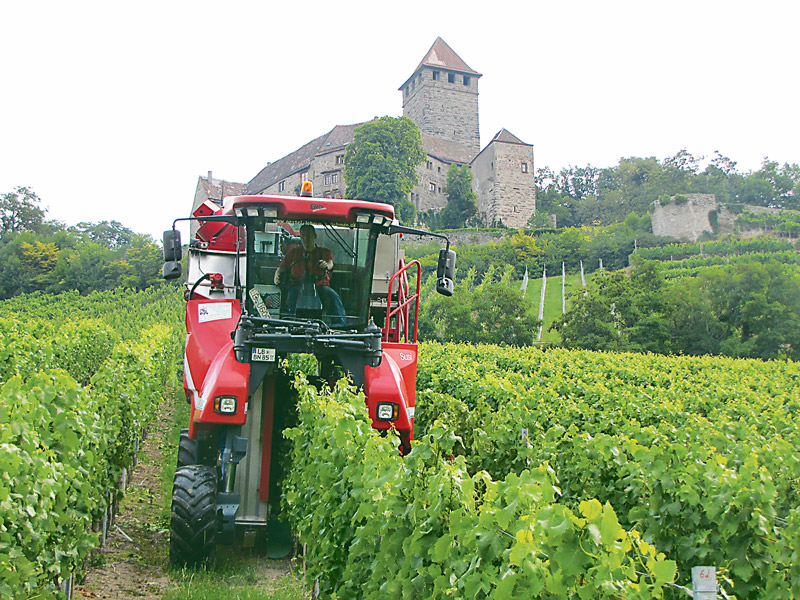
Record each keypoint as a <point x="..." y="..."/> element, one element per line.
<point x="436" y="75"/>
<point x="524" y="167"/>
<point x="440" y="169"/>
<point x="327" y="179"/>
<point x="466" y="80"/>
<point x="432" y="187"/>
<point x="282" y="186"/>
<point x="335" y="178"/>
<point x="303" y="177"/>
<point x="429" y="165"/>
<point x="340" y="159"/>
<point x="451" y="78"/>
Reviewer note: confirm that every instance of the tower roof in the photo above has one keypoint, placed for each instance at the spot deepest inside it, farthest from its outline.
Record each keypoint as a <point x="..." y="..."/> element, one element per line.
<point x="442" y="56"/>
<point x="504" y="135"/>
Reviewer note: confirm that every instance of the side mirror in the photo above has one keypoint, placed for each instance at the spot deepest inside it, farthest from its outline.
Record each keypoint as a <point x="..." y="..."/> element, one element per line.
<point x="445" y="272"/>
<point x="171" y="269"/>
<point x="172" y="246"/>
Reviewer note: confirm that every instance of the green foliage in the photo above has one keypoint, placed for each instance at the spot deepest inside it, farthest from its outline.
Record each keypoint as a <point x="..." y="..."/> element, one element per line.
<point x="380" y="164"/>
<point x="785" y="223"/>
<point x="745" y="309"/>
<point x="726" y="247"/>
<point x="20" y="211"/>
<point x="541" y="219"/>
<point x="376" y="525"/>
<point x="111" y="234"/>
<point x="61" y="261"/>
<point x="492" y="312"/>
<point x="47" y="256"/>
<point x="64" y="443"/>
<point x="694" y="453"/>
<point x="461" y="200"/>
<point x="619" y="313"/>
<point x="582" y="195"/>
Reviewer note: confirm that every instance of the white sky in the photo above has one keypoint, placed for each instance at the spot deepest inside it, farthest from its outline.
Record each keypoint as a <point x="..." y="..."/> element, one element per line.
<point x="111" y="110"/>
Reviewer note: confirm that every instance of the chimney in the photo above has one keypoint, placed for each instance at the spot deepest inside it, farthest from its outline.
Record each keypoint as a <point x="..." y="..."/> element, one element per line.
<point x="210" y="180"/>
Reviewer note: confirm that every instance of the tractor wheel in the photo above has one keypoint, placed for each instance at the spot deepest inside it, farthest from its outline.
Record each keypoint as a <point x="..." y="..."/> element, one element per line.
<point x="193" y="527"/>
<point x="187" y="450"/>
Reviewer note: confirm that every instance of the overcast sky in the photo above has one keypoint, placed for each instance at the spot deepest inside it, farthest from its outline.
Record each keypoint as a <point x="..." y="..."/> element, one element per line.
<point x="111" y="110"/>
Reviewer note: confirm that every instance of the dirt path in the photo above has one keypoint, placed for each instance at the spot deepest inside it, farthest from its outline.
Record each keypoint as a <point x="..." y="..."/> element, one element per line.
<point x="133" y="563"/>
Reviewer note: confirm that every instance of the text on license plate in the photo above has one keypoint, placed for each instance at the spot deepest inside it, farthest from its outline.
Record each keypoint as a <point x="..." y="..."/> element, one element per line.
<point x="263" y="354"/>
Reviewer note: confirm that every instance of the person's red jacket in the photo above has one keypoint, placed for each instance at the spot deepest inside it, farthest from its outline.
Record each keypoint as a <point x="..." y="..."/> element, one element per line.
<point x="296" y="260"/>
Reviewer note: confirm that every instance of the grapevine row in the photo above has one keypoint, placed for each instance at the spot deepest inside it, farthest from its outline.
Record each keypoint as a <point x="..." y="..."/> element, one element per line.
<point x="698" y="454"/>
<point x="718" y="248"/>
<point x="375" y="525"/>
<point x="73" y="401"/>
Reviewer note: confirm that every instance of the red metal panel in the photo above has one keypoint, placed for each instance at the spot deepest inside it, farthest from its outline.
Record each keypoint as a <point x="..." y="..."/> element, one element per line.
<point x="388" y="383"/>
<point x="405" y="355"/>
<point x="210" y="368"/>
<point x="317" y="209"/>
<point x="206" y="333"/>
<point x="225" y="377"/>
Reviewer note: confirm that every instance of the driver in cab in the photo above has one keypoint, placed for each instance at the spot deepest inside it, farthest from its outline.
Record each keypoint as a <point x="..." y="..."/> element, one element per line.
<point x="317" y="262"/>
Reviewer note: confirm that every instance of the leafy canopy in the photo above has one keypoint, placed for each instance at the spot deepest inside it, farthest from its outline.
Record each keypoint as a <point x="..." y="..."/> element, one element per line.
<point x="380" y="164"/>
<point x="461" y="200"/>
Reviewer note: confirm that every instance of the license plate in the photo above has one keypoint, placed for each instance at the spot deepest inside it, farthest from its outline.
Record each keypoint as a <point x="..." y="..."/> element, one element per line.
<point x="263" y="354"/>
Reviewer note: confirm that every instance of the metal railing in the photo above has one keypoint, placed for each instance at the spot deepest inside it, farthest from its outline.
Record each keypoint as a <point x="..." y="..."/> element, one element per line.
<point x="399" y="325"/>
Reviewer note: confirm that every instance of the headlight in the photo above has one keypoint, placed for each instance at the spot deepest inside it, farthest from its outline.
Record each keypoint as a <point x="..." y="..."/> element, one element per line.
<point x="387" y="411"/>
<point x="225" y="405"/>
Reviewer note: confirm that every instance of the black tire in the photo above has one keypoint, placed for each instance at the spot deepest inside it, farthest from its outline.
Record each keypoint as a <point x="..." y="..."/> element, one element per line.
<point x="193" y="526"/>
<point x="188" y="451"/>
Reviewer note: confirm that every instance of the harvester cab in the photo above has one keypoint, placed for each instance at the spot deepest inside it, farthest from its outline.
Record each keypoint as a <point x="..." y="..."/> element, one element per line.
<point x="269" y="276"/>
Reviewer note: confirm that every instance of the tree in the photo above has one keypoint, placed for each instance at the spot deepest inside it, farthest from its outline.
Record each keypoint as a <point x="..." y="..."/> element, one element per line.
<point x="493" y="312"/>
<point x="380" y="163"/>
<point x="20" y="211"/>
<point x="111" y="234"/>
<point x="620" y="313"/>
<point x="461" y="200"/>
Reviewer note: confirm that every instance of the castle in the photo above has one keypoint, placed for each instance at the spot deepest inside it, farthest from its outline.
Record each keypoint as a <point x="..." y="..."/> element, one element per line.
<point x="441" y="97"/>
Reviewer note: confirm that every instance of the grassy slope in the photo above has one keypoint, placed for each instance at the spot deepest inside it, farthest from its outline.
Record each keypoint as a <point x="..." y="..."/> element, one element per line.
<point x="552" y="299"/>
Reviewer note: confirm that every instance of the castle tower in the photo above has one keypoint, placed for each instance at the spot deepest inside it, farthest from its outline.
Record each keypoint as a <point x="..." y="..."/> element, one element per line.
<point x="504" y="180"/>
<point x="441" y="97"/>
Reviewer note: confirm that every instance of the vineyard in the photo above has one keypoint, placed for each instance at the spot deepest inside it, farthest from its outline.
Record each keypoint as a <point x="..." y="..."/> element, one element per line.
<point x="677" y="261"/>
<point x="80" y="378"/>
<point x="535" y="473"/>
<point x="556" y="474"/>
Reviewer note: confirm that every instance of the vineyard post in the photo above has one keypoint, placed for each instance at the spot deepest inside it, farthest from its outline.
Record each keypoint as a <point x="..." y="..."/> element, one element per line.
<point x="67" y="585"/>
<point x="704" y="583"/>
<point x="583" y="280"/>
<point x="541" y="301"/>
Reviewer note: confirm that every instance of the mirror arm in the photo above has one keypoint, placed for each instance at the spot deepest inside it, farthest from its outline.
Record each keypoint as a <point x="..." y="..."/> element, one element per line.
<point x="411" y="231"/>
<point x="229" y="219"/>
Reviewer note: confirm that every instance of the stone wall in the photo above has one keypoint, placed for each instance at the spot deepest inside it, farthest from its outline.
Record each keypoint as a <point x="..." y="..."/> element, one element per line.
<point x="684" y="220"/>
<point x="474" y="238"/>
<point x="431" y="182"/>
<point x="689" y="220"/>
<point x="503" y="175"/>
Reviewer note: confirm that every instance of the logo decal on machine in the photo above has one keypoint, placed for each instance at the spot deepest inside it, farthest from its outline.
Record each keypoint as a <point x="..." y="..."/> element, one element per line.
<point x="216" y="311"/>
